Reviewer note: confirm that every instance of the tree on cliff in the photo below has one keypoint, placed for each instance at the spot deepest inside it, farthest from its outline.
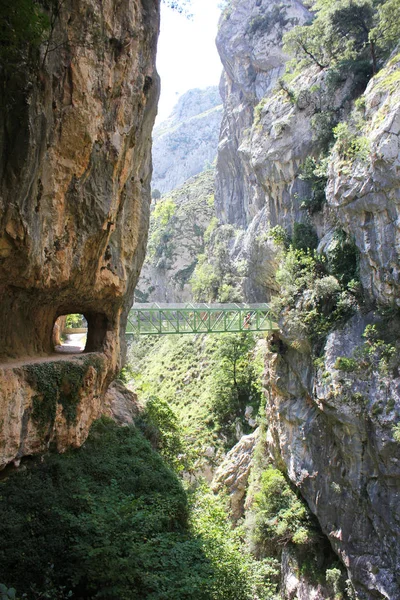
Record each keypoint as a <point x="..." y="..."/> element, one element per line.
<point x="346" y="31"/>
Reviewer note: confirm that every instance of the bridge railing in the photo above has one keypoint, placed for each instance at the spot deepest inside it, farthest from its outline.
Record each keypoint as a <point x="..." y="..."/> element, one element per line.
<point x="163" y="319"/>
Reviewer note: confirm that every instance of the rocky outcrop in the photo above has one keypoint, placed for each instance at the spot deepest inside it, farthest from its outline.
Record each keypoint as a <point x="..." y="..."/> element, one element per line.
<point x="121" y="404"/>
<point x="363" y="188"/>
<point x="233" y="473"/>
<point x="175" y="244"/>
<point x="249" y="42"/>
<point x="75" y="190"/>
<point x="331" y="431"/>
<point x="49" y="404"/>
<point x="186" y="143"/>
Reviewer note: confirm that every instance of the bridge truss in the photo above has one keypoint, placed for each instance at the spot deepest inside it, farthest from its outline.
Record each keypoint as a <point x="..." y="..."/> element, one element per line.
<point x="166" y="319"/>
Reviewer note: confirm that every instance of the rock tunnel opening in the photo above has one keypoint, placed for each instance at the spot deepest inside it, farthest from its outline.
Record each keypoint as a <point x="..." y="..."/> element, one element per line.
<point x="75" y="333"/>
<point x="70" y="333"/>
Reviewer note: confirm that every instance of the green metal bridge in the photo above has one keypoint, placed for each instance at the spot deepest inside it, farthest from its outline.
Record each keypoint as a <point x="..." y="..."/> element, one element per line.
<point x="166" y="319"/>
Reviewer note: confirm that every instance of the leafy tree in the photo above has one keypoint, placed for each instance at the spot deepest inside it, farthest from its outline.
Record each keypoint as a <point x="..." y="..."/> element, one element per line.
<point x="236" y="382"/>
<point x="234" y="353"/>
<point x="23" y="28"/>
<point x="346" y="31"/>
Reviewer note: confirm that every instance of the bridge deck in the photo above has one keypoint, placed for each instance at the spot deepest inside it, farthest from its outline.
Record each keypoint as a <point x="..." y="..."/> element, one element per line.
<point x="163" y="319"/>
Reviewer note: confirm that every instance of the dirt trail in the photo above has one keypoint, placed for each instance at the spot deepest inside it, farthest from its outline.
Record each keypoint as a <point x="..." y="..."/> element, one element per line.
<point x="71" y="348"/>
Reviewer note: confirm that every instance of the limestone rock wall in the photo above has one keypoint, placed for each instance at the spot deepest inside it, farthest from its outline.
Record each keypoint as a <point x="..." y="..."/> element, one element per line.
<point x="249" y="42"/>
<point x="186" y="143"/>
<point x="75" y="174"/>
<point x="75" y="170"/>
<point x="365" y="192"/>
<point x="330" y="431"/>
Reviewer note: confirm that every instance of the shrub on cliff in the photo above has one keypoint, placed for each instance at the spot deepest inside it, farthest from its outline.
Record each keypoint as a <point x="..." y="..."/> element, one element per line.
<point x="312" y="300"/>
<point x="279" y="517"/>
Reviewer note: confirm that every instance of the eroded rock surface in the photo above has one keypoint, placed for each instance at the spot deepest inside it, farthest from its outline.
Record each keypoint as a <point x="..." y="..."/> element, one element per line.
<point x="121" y="404"/>
<point x="365" y="189"/>
<point x="49" y="404"/>
<point x="232" y="475"/>
<point x="332" y="433"/>
<point x="75" y="169"/>
<point x="186" y="143"/>
<point x="250" y="45"/>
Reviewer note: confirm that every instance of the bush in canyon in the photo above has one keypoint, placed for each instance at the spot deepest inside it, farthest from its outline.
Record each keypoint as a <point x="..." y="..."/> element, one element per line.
<point x="111" y="518"/>
<point x="277" y="516"/>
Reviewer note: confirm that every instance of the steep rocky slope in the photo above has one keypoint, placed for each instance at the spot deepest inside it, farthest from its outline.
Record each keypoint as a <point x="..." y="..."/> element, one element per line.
<point x="178" y="227"/>
<point x="332" y="380"/>
<point x="74" y="201"/>
<point x="186" y="143"/>
<point x="249" y="42"/>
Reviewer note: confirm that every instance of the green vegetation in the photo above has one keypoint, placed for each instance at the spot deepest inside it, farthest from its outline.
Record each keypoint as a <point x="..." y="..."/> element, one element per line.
<point x="110" y="517"/>
<point x="224" y="546"/>
<point x="304" y="237"/>
<point x="312" y="299"/>
<point x="279" y="516"/>
<point x="396" y="433"/>
<point x="160" y="241"/>
<point x="376" y="354"/>
<point x="207" y="381"/>
<point x="346" y="34"/>
<point x="379" y="353"/>
<point x="75" y="321"/>
<point x="216" y="278"/>
<point x="315" y="173"/>
<point x="110" y="520"/>
<point x="267" y="20"/>
<point x="279" y="236"/>
<point x="344" y="259"/>
<point x="349" y="365"/>
<point x="58" y="383"/>
<point x="350" y="146"/>
<point x="160" y="425"/>
<point x="180" y="227"/>
<point x="6" y="594"/>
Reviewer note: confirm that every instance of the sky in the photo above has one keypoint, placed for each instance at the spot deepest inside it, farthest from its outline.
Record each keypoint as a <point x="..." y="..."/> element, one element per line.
<point x="187" y="57"/>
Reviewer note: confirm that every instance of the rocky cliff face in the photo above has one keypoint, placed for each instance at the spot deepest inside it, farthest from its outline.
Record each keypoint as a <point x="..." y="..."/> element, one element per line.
<point x="365" y="189"/>
<point x="330" y="423"/>
<point x="177" y="240"/>
<point x="186" y="143"/>
<point x="74" y="199"/>
<point x="249" y="42"/>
